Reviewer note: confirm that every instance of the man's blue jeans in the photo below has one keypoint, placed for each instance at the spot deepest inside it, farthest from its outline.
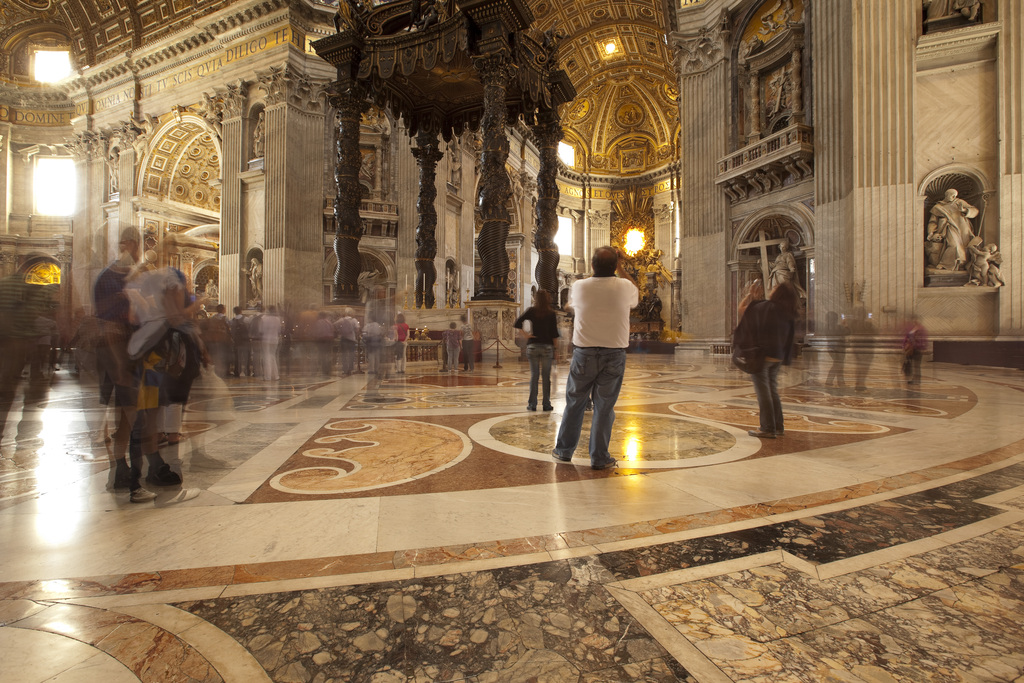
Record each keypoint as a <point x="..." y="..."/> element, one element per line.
<point x="540" y="363"/>
<point x="596" y="371"/>
<point x="766" y="386"/>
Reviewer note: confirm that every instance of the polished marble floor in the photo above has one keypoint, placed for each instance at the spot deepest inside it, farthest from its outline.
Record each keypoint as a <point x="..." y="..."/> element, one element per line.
<point x="416" y="529"/>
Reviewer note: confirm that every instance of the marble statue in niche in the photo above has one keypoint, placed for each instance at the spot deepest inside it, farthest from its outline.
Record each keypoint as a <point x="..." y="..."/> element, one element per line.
<point x="259" y="135"/>
<point x="369" y="283"/>
<point x="949" y="232"/>
<point x="984" y="265"/>
<point x="113" y="177"/>
<point x="784" y="268"/>
<point x="940" y="9"/>
<point x="455" y="166"/>
<point x="255" y="273"/>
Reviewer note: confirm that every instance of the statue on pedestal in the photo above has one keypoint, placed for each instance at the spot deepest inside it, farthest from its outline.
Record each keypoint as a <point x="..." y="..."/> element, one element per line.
<point x="950" y="227"/>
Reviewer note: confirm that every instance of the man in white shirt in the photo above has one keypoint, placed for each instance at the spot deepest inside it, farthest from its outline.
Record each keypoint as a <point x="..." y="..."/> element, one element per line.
<point x="601" y="305"/>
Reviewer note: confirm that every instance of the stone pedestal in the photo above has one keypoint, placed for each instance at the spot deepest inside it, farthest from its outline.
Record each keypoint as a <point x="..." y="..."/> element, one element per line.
<point x="493" y="320"/>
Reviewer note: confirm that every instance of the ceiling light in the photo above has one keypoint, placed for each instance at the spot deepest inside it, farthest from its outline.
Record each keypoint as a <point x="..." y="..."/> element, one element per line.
<point x="610" y="48"/>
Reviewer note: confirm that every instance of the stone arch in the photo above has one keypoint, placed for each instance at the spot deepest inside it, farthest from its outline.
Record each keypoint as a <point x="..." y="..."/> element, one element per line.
<point x="791" y="222"/>
<point x="797" y="214"/>
<point x="182" y="165"/>
<point x="40" y="269"/>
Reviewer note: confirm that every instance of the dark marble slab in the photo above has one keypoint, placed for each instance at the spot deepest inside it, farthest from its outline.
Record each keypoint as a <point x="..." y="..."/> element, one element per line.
<point x="548" y="621"/>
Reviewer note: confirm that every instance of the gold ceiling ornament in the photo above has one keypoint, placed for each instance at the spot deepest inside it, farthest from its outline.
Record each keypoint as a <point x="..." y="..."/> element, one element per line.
<point x="638" y="74"/>
<point x="632" y="231"/>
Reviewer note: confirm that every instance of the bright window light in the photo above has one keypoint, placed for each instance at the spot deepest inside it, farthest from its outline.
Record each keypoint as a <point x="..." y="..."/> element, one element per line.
<point x="563" y="238"/>
<point x="634" y="241"/>
<point x="52" y="65"/>
<point x="610" y="48"/>
<point x="567" y="153"/>
<point x="55" y="186"/>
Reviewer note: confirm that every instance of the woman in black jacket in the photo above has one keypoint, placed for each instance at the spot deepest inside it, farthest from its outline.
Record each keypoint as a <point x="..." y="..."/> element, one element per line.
<point x="540" y="345"/>
<point x="771" y="326"/>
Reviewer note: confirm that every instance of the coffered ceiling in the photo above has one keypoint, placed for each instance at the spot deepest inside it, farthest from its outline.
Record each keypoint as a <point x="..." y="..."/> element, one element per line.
<point x="625" y="118"/>
<point x="624" y="121"/>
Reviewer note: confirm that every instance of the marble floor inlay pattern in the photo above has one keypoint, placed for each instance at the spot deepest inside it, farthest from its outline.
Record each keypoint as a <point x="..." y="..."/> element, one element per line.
<point x="416" y="529"/>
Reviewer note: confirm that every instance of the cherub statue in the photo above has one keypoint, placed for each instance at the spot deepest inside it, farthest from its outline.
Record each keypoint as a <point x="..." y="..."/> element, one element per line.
<point x="995" y="260"/>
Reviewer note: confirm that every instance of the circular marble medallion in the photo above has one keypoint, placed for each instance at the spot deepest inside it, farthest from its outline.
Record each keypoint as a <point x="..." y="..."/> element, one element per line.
<point x="639" y="440"/>
<point x="358" y="455"/>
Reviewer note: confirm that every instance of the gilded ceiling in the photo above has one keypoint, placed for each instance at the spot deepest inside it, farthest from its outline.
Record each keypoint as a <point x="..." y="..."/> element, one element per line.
<point x="624" y="121"/>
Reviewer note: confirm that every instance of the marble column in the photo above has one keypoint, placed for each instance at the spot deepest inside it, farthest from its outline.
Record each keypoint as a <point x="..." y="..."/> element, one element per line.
<point x="495" y="71"/>
<point x="427" y="153"/>
<point x="754" y="107"/>
<point x="547" y="132"/>
<point x="351" y="104"/>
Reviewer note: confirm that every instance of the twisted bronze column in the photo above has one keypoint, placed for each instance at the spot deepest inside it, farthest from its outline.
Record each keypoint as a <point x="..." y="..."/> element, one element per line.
<point x="427" y="153"/>
<point x="492" y="198"/>
<point x="547" y="132"/>
<point x="350" y="103"/>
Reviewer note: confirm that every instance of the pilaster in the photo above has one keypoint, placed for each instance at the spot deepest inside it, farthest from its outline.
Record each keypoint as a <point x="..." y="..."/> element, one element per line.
<point x="5" y="170"/>
<point x="294" y="205"/>
<point x="233" y="281"/>
<point x="1011" y="163"/>
<point x="705" y="114"/>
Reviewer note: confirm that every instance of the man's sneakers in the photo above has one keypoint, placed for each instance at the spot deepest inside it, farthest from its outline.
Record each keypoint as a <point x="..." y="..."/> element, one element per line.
<point x="141" y="495"/>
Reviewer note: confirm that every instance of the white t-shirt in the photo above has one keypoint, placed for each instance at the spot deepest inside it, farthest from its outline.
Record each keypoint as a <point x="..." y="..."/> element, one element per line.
<point x="601" y="306"/>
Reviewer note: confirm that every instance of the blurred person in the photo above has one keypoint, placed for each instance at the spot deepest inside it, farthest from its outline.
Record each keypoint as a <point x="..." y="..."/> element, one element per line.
<point x="373" y="340"/>
<point x="452" y="339"/>
<point x="42" y="366"/>
<point x="270" y="336"/>
<point x="601" y="305"/>
<point x="915" y="342"/>
<point x="323" y="333"/>
<point x="256" y="341"/>
<point x="18" y="334"/>
<point x="217" y="337"/>
<point x="401" y="342"/>
<point x="838" y="331"/>
<point x="861" y="325"/>
<point x="754" y="291"/>
<point x="239" y="329"/>
<point x="348" y="335"/>
<point x="469" y="337"/>
<point x="115" y="369"/>
<point x="170" y="352"/>
<point x="540" y="345"/>
<point x="770" y="326"/>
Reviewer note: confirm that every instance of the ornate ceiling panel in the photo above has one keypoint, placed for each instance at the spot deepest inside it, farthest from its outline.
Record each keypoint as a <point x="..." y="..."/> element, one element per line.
<point x="625" y="118"/>
<point x="184" y="166"/>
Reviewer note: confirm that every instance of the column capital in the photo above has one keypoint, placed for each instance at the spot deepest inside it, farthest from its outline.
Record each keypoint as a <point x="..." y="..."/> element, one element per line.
<point x="234" y="98"/>
<point x="696" y="53"/>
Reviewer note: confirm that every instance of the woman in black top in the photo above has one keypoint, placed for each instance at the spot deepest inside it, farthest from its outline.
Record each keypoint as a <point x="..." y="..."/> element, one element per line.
<point x="769" y="327"/>
<point x="540" y="344"/>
